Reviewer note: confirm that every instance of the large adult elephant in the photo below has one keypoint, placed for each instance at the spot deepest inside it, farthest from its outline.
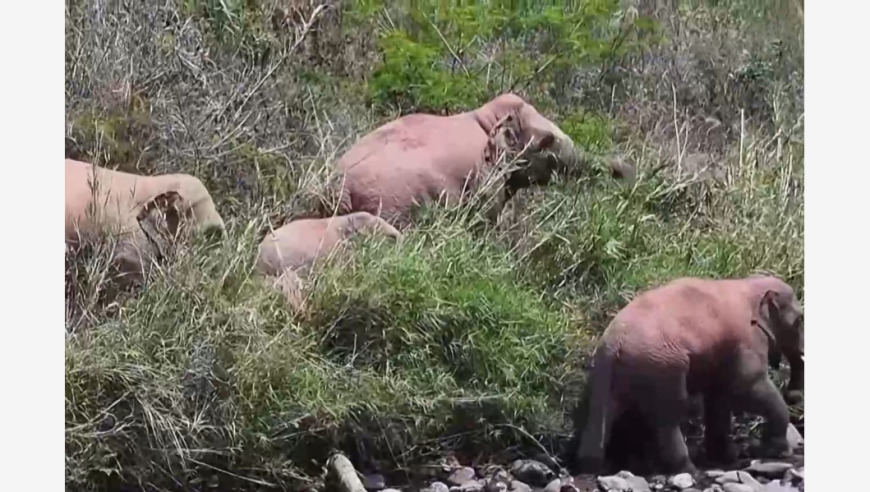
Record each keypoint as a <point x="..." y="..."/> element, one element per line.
<point x="712" y="338"/>
<point x="421" y="159"/>
<point x="145" y="213"/>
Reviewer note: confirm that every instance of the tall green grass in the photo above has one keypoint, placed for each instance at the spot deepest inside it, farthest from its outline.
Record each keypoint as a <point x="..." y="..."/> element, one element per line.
<point x="455" y="338"/>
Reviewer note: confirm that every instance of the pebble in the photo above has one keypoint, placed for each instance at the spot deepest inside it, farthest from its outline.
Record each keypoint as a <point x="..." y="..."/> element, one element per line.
<point x="769" y="470"/>
<point x="681" y="481"/>
<point x="794" y="475"/>
<point x="777" y="486"/>
<point x="471" y="486"/>
<point x="461" y="476"/>
<point x="614" y="484"/>
<point x="740" y="487"/>
<point x="532" y="472"/>
<point x="500" y="476"/>
<point x="553" y="486"/>
<point x="374" y="481"/>
<point x="636" y="483"/>
<point x="740" y="478"/>
<point x="496" y="486"/>
<point x="517" y="486"/>
<point x="439" y="487"/>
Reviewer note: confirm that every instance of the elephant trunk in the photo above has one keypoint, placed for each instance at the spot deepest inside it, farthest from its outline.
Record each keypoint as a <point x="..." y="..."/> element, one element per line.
<point x="568" y="156"/>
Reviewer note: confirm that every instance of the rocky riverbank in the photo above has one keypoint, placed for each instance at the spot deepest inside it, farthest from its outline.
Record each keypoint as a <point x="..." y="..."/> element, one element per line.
<point x="528" y="475"/>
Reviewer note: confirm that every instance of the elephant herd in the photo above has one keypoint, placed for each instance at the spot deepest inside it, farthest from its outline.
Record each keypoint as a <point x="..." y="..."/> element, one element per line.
<point x="688" y="338"/>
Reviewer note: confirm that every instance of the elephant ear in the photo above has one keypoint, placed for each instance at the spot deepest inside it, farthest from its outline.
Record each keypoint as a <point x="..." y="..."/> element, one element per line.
<point x="767" y="312"/>
<point x="506" y="134"/>
<point x="160" y="219"/>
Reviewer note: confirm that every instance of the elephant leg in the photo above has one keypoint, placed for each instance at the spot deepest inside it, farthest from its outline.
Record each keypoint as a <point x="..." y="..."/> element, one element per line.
<point x="670" y="400"/>
<point x="764" y="399"/>
<point x="718" y="444"/>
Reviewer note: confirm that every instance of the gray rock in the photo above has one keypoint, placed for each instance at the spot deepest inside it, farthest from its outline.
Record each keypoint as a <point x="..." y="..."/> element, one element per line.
<point x="681" y="481"/>
<point x="517" y="486"/>
<point x="472" y="486"/>
<point x="495" y="486"/>
<point x="461" y="476"/>
<point x="554" y="486"/>
<point x="740" y="487"/>
<point x="794" y="476"/>
<point x="613" y="483"/>
<point x="532" y="472"/>
<point x="439" y="487"/>
<point x="375" y="481"/>
<point x="777" y="486"/>
<point x="499" y="475"/>
<point x="740" y="478"/>
<point x="768" y="470"/>
<point x="637" y="484"/>
<point x="794" y="436"/>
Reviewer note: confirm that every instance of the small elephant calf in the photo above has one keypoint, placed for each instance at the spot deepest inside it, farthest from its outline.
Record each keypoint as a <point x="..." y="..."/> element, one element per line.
<point x="292" y="249"/>
<point x="713" y="338"/>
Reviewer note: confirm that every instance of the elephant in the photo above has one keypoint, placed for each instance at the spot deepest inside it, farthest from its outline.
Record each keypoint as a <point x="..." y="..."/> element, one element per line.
<point x="694" y="337"/>
<point x="421" y="159"/>
<point x="288" y="253"/>
<point x="146" y="213"/>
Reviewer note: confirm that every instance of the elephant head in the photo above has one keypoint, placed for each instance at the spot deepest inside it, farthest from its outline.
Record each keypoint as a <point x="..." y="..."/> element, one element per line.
<point x="781" y="318"/>
<point x="538" y="145"/>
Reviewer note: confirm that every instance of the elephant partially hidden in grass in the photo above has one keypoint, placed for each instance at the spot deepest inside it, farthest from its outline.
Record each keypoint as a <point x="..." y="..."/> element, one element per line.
<point x="693" y="336"/>
<point x="423" y="159"/>
<point x="147" y="213"/>
<point x="287" y="254"/>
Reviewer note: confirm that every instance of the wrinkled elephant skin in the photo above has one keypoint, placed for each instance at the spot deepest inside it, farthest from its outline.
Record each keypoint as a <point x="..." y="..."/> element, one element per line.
<point x="694" y="337"/>
<point x="142" y="211"/>
<point x="421" y="159"/>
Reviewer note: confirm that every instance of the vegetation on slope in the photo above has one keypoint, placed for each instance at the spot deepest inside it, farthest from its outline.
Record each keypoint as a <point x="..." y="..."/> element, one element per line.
<point x="454" y="338"/>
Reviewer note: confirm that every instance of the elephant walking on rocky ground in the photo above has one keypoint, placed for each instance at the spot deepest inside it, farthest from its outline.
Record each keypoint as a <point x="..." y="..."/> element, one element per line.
<point x="713" y="338"/>
<point x="290" y="251"/>
<point x="421" y="159"/>
<point x="145" y="212"/>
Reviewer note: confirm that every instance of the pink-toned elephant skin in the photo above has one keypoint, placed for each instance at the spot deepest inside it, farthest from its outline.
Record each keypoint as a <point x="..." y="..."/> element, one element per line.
<point x="421" y="159"/>
<point x="689" y="338"/>
<point x="144" y="212"/>
<point x="289" y="252"/>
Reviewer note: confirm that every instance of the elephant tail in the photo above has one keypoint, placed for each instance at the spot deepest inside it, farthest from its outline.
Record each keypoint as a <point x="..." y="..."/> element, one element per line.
<point x="599" y="412"/>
